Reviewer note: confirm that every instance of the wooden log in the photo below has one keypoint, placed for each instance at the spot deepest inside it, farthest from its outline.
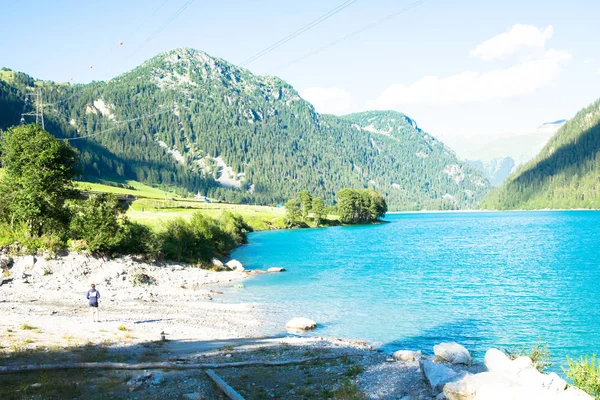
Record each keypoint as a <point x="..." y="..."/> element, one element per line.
<point x="225" y="388"/>
<point x="7" y="369"/>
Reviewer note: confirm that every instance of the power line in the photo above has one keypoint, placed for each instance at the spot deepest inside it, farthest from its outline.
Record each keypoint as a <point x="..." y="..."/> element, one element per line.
<point x="161" y="28"/>
<point x="356" y="32"/>
<point x="150" y="15"/>
<point x="117" y="123"/>
<point x="39" y="109"/>
<point x="306" y="27"/>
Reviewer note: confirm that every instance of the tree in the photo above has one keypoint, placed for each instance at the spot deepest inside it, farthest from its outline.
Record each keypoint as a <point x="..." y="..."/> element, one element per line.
<point x="97" y="221"/>
<point x="360" y="206"/>
<point x="292" y="211"/>
<point x="305" y="204"/>
<point x="318" y="210"/>
<point x="37" y="179"/>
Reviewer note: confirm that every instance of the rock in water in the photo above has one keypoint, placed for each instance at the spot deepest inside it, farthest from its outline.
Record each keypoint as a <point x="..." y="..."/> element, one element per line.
<point x="234" y="265"/>
<point x="301" y="324"/>
<point x="453" y="353"/>
<point x="407" y="355"/>
<point x="276" y="269"/>
<point x="437" y="375"/>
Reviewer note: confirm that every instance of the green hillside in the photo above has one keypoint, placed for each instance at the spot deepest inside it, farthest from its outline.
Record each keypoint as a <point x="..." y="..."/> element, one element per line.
<point x="199" y="123"/>
<point x="566" y="173"/>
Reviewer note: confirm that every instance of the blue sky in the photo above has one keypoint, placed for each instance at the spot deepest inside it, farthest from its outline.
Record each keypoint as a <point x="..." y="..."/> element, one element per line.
<point x="426" y="62"/>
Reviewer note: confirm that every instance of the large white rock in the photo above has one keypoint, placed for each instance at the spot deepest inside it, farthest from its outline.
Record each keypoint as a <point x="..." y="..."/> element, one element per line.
<point x="216" y="262"/>
<point x="574" y="394"/>
<point x="511" y="380"/>
<point x="234" y="265"/>
<point x="554" y="382"/>
<point x="437" y="375"/>
<point x="407" y="355"/>
<point x="301" y="324"/>
<point x="24" y="262"/>
<point x="467" y="387"/>
<point x="453" y="353"/>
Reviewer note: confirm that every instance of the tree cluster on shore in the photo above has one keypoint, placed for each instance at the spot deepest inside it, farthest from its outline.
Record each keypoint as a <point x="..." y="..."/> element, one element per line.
<point x="353" y="206"/>
<point x="41" y="209"/>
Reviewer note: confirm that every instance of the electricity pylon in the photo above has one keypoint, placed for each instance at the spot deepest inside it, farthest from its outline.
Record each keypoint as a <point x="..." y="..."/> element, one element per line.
<point x="39" y="109"/>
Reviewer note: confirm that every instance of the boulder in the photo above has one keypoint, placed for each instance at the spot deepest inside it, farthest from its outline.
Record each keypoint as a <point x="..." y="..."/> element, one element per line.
<point x="496" y="361"/>
<point x="554" y="382"/>
<point x="216" y="262"/>
<point x="276" y="269"/>
<point x="302" y="324"/>
<point x="453" y="353"/>
<point x="573" y="393"/>
<point x="158" y="378"/>
<point x="41" y="267"/>
<point x="25" y="262"/>
<point x="234" y="265"/>
<point x="467" y="387"/>
<point x="511" y="379"/>
<point x="407" y="355"/>
<point x="5" y="262"/>
<point x="437" y="375"/>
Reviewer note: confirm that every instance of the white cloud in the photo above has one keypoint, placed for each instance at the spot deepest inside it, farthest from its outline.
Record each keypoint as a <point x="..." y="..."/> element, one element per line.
<point x="588" y="61"/>
<point x="329" y="100"/>
<point x="536" y="69"/>
<point x="520" y="79"/>
<point x="511" y="41"/>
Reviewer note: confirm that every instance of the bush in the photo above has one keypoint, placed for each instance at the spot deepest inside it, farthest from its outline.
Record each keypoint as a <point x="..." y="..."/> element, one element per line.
<point x="585" y="374"/>
<point x="97" y="221"/>
<point x="203" y="238"/>
<point x="538" y="353"/>
<point x="26" y="243"/>
<point x="138" y="239"/>
<point x="181" y="243"/>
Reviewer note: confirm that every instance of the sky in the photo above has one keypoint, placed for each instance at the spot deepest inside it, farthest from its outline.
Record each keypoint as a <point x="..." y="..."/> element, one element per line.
<point x="470" y="72"/>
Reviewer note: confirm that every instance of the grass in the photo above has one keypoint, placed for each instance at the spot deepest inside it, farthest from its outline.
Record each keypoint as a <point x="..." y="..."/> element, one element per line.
<point x="27" y="327"/>
<point x="154" y="213"/>
<point x="134" y="188"/>
<point x="538" y="353"/>
<point x="123" y="328"/>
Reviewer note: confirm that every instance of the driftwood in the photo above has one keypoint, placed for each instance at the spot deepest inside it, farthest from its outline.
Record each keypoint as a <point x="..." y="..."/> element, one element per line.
<point x="225" y="388"/>
<point x="7" y="369"/>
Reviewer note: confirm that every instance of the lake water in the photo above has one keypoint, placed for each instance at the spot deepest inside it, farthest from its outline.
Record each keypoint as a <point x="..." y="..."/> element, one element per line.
<point x="480" y="279"/>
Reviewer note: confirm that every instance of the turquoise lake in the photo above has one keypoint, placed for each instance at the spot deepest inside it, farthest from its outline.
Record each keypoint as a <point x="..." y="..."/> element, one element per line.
<point x="484" y="280"/>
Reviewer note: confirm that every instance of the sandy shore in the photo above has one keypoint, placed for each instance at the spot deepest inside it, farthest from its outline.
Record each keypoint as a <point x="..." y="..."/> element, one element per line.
<point x="49" y="295"/>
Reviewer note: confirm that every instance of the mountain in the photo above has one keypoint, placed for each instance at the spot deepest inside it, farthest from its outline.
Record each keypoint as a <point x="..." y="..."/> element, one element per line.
<point x="189" y="120"/>
<point x="520" y="147"/>
<point x="496" y="170"/>
<point x="566" y="173"/>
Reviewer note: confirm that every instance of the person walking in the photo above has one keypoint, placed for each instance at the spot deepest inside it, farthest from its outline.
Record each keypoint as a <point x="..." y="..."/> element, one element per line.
<point x="93" y="296"/>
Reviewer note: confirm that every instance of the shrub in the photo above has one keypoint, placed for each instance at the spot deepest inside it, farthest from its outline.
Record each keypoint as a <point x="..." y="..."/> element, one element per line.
<point x="138" y="239"/>
<point x="585" y="374"/>
<point x="180" y="243"/>
<point x="96" y="220"/>
<point x="538" y="353"/>
<point x="203" y="238"/>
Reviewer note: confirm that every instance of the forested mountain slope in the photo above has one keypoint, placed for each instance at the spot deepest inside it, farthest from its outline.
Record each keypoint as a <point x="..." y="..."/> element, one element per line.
<point x="189" y="120"/>
<point x="566" y="173"/>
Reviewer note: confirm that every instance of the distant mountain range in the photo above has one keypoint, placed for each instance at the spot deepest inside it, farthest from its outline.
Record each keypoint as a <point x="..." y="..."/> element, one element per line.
<point x="496" y="170"/>
<point x="565" y="174"/>
<point x="196" y="122"/>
